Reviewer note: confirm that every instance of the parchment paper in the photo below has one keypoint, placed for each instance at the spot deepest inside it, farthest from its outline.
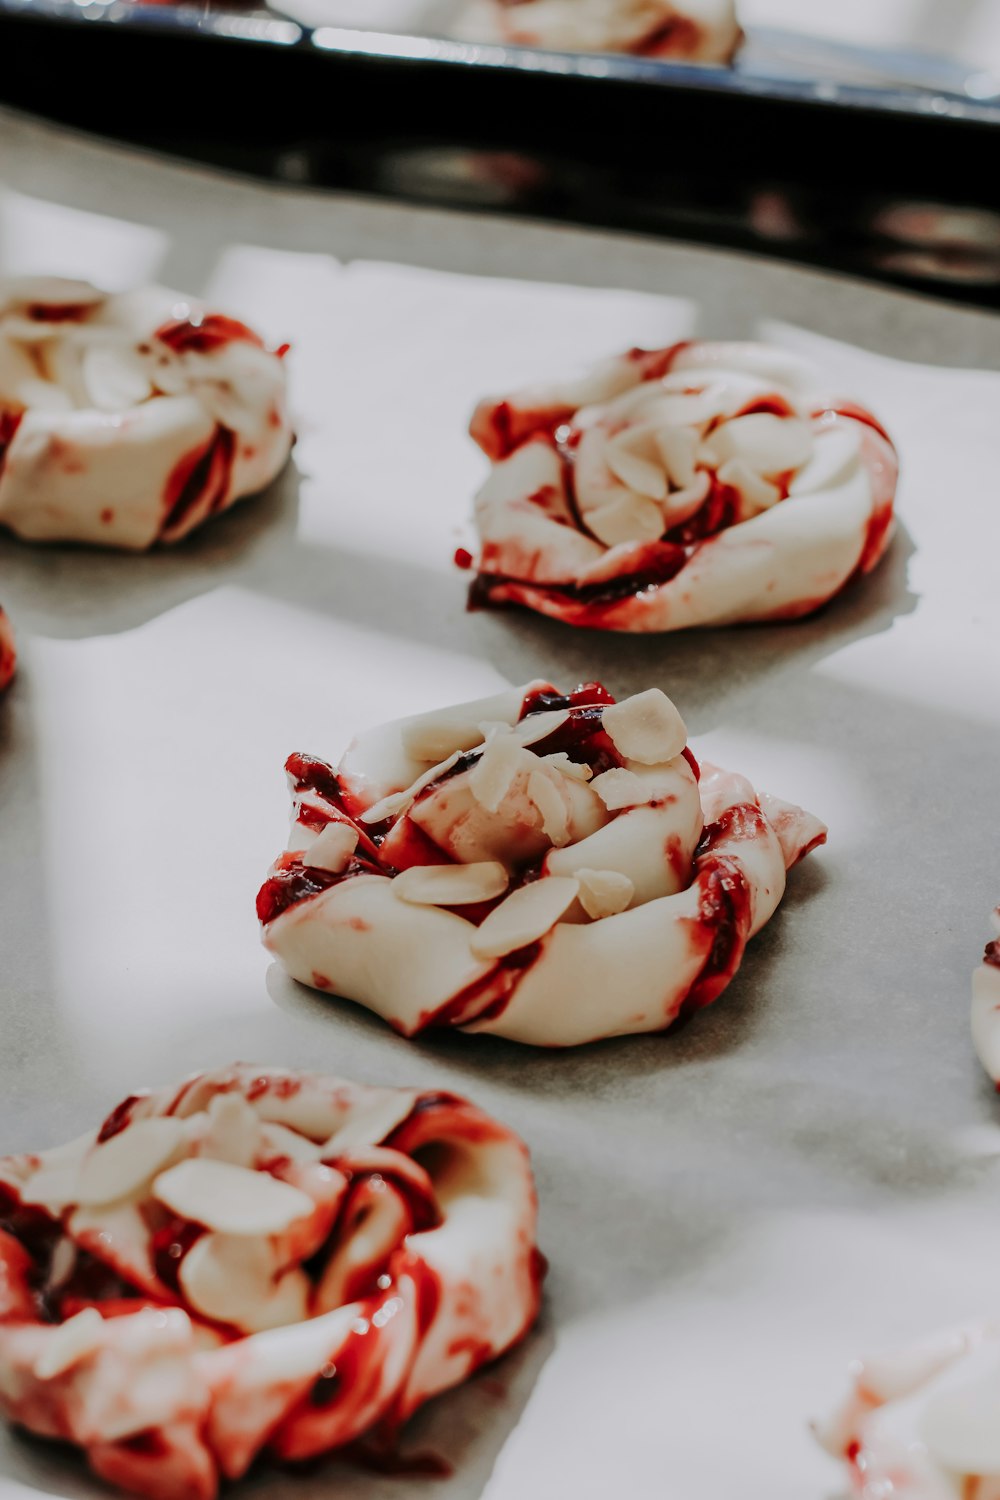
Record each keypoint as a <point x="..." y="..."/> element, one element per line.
<point x="808" y="1170"/>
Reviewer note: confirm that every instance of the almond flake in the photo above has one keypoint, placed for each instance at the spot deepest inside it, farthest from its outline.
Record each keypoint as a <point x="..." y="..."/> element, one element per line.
<point x="758" y="492"/>
<point x="435" y="736"/>
<point x="545" y="795"/>
<point x="560" y="761"/>
<point x="525" y="916"/>
<point x="682" y="504"/>
<point x="332" y="848"/>
<point x="621" y="788"/>
<point x="370" y="1124"/>
<point x="126" y="1162"/>
<point x="962" y="1428"/>
<point x="535" y="727"/>
<point x="397" y="802"/>
<point x="767" y="443"/>
<point x="641" y="475"/>
<point x="627" y="518"/>
<point x="646" y="728"/>
<point x="232" y="1279"/>
<point x="493" y="775"/>
<point x="115" y="378"/>
<point x="279" y="1140"/>
<point x="232" y="1132"/>
<point x="388" y="807"/>
<point x="230" y="1199"/>
<point x="678" y="446"/>
<point x="69" y="1343"/>
<point x="451" y="885"/>
<point x="604" y="893"/>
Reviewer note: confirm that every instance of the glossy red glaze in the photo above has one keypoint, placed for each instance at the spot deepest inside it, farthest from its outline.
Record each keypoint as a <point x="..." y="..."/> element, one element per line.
<point x="689" y="756"/>
<point x="295" y="881"/>
<point x="724" y="921"/>
<point x="205" y="334"/>
<point x="463" y="558"/>
<point x="502" y="428"/>
<point x="170" y="1244"/>
<point x="583" y="738"/>
<point x="486" y="997"/>
<point x="546" y="699"/>
<point x="120" y="1116"/>
<point x="200" y="479"/>
<point x="10" y="421"/>
<point x="858" y="414"/>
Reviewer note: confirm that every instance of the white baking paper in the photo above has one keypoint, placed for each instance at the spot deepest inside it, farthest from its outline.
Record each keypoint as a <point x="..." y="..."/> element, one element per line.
<point x="808" y="1170"/>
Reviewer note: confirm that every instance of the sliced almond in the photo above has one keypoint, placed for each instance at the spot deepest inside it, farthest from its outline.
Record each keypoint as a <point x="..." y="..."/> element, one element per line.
<point x="759" y="493"/>
<point x="370" y="1124"/>
<point x="640" y="473"/>
<point x="545" y="795"/>
<point x="962" y="1428"/>
<point x="451" y="885"/>
<point x="768" y="444"/>
<point x="682" y="504"/>
<point x="232" y="1131"/>
<point x="621" y="788"/>
<point x="332" y="848"/>
<point x="128" y="1161"/>
<point x="397" y="802"/>
<point x="435" y="736"/>
<point x="115" y="378"/>
<point x="388" y="807"/>
<point x="226" y="1276"/>
<point x="627" y="518"/>
<point x="560" y="761"/>
<point x="55" y="1186"/>
<point x="535" y="727"/>
<point x="646" y="728"/>
<point x="281" y="1141"/>
<point x="525" y="916"/>
<point x="493" y="775"/>
<point x="678" y="447"/>
<point x="70" y="1343"/>
<point x="230" y="1199"/>
<point x="604" y="893"/>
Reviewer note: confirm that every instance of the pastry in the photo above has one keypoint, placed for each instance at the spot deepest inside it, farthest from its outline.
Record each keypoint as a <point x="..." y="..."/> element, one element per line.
<point x="703" y="484"/>
<point x="986" y="1005"/>
<point x="130" y="419"/>
<point x="257" y="1262"/>
<point x="703" y="31"/>
<point x="8" y="651"/>
<point x="923" y="1423"/>
<point x="549" y="867"/>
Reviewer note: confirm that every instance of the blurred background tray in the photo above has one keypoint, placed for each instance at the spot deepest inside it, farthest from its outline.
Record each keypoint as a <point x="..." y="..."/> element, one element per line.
<point x="857" y="159"/>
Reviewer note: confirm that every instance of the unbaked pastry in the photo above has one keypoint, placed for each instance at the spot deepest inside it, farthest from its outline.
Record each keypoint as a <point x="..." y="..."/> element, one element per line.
<point x="130" y="419"/>
<point x="702" y="31"/>
<point x="923" y="1423"/>
<point x="703" y="484"/>
<point x="257" y="1261"/>
<point x="549" y="867"/>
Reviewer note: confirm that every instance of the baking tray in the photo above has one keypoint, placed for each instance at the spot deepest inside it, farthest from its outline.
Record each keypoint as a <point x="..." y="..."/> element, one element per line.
<point x="861" y="160"/>
<point x="732" y="1212"/>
